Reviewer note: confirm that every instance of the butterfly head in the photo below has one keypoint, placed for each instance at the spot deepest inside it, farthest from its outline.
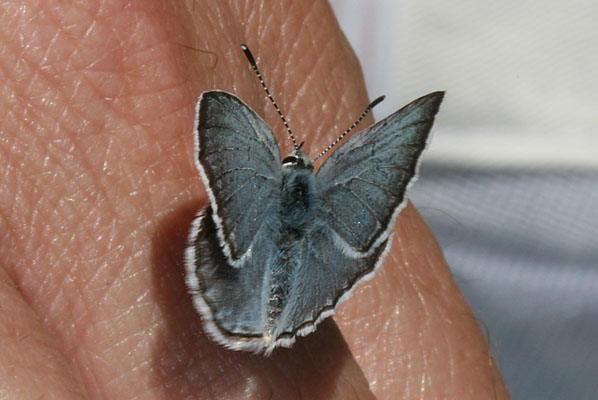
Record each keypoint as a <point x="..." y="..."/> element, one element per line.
<point x="297" y="160"/>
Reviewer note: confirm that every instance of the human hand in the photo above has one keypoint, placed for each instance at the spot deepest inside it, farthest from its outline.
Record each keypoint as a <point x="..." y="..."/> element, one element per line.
<point x="99" y="188"/>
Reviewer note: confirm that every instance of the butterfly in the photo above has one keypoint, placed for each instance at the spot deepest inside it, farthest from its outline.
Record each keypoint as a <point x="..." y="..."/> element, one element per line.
<point x="280" y="246"/>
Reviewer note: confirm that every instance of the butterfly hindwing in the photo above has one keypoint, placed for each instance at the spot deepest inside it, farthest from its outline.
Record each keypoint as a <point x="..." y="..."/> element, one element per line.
<point x="324" y="276"/>
<point x="362" y="186"/>
<point x="239" y="160"/>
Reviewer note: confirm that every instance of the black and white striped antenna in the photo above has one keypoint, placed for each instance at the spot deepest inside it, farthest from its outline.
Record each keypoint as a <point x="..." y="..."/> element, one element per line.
<point x="297" y="147"/>
<point x="365" y="112"/>
<point x="259" y="75"/>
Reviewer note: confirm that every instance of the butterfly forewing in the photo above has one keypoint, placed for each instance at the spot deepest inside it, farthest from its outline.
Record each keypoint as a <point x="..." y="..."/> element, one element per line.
<point x="362" y="185"/>
<point x="239" y="156"/>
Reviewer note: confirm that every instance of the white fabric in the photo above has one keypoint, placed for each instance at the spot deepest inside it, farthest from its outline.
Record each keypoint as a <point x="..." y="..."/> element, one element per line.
<point x="521" y="76"/>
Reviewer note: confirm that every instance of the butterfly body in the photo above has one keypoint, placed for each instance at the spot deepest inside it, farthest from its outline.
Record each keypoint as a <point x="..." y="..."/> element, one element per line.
<point x="279" y="246"/>
<point x="298" y="200"/>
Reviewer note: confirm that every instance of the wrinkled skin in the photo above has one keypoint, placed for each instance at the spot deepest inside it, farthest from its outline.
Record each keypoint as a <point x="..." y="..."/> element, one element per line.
<point x="98" y="189"/>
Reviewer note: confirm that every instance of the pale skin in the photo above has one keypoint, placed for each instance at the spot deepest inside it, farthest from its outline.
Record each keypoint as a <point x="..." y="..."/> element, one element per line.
<point x="98" y="189"/>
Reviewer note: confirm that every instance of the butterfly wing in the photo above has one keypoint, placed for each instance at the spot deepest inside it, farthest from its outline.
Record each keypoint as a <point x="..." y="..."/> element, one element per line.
<point x="232" y="301"/>
<point x="361" y="187"/>
<point x="239" y="162"/>
<point x="324" y="278"/>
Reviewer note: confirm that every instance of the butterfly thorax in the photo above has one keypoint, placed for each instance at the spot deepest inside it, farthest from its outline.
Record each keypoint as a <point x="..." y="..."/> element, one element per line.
<point x="298" y="200"/>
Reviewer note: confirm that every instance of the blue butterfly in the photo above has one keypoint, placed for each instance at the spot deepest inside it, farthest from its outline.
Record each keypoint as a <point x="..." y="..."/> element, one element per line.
<point x="279" y="247"/>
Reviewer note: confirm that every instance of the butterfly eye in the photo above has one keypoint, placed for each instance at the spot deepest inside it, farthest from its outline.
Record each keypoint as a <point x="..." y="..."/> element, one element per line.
<point x="290" y="160"/>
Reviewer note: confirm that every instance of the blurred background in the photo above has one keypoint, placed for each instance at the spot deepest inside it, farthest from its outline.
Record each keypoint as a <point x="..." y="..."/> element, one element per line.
<point x="510" y="184"/>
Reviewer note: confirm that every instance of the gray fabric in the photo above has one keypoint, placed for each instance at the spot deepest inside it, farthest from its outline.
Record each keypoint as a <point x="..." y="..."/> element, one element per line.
<point x="523" y="245"/>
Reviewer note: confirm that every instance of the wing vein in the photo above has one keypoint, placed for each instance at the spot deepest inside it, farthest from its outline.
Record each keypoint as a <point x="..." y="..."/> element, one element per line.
<point x="233" y="194"/>
<point x="397" y="131"/>
<point x="231" y="170"/>
<point x="387" y="190"/>
<point x="366" y="205"/>
<point x="256" y="138"/>
<point x="343" y="224"/>
<point x="233" y="149"/>
<point x="253" y="115"/>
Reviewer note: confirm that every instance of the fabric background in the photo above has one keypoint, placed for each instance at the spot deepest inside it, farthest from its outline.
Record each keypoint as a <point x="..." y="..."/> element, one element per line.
<point x="510" y="184"/>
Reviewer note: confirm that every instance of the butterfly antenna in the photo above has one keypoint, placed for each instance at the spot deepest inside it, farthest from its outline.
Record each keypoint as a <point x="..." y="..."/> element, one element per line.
<point x="365" y="112"/>
<point x="259" y="75"/>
